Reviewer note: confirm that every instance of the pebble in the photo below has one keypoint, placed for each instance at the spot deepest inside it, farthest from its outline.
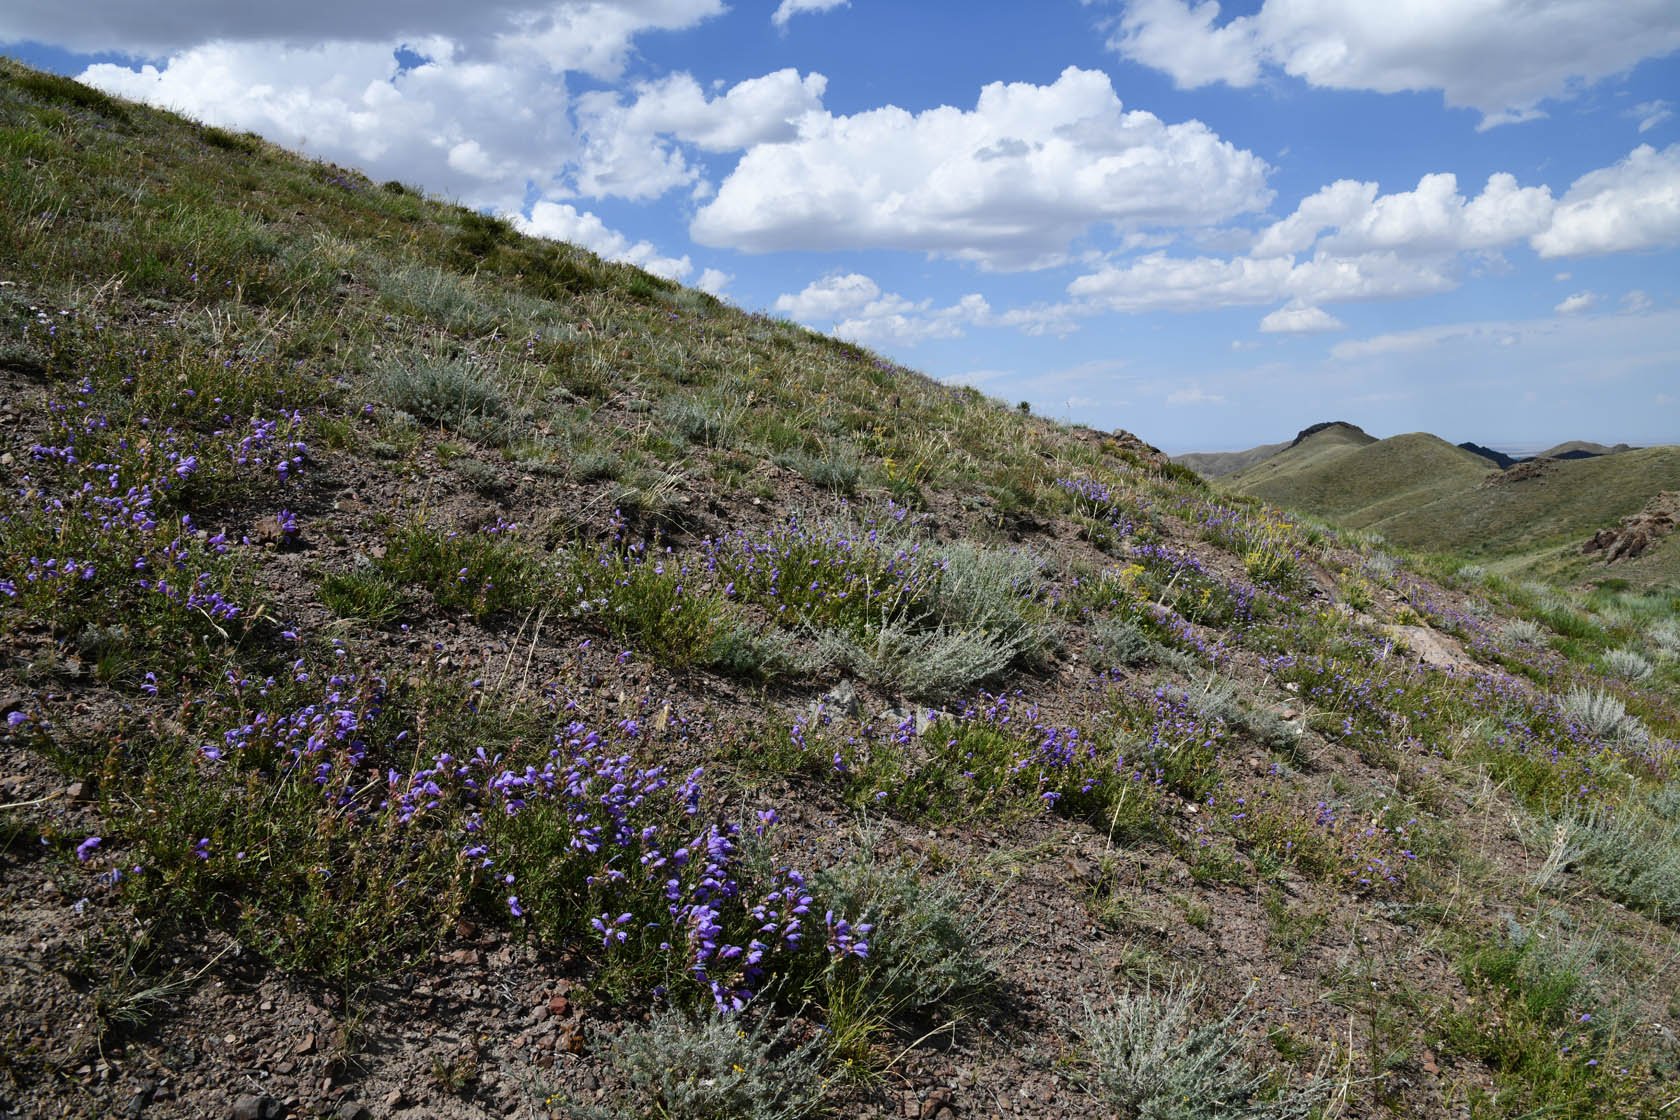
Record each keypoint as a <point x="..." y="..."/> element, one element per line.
<point x="252" y="1107"/>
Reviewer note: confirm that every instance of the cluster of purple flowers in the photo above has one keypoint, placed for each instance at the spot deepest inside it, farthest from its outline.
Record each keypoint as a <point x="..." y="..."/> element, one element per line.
<point x="653" y="879"/>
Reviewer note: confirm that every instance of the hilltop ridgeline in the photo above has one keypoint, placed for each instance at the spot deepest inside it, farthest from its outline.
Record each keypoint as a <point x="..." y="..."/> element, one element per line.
<point x="1419" y="492"/>
<point x="446" y="674"/>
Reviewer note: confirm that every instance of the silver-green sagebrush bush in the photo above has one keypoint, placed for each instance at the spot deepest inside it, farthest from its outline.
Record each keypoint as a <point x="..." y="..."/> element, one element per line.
<point x="439" y="390"/>
<point x="929" y="957"/>
<point x="1626" y="664"/>
<point x="712" y="1068"/>
<point x="1148" y="1058"/>
<point x="1602" y="716"/>
<point x="1632" y="852"/>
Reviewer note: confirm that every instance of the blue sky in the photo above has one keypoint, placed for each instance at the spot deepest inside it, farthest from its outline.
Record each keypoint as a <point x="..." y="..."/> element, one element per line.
<point x="1209" y="225"/>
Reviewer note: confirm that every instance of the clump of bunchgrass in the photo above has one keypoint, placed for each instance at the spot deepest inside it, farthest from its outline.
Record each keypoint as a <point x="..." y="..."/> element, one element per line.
<point x="710" y="421"/>
<point x="837" y="468"/>
<point x="364" y="594"/>
<point x="1523" y="631"/>
<point x="481" y="572"/>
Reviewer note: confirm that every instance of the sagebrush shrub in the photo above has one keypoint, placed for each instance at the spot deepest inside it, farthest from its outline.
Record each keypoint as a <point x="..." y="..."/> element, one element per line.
<point x="440" y="391"/>
<point x="1151" y="1060"/>
<point x="928" y="951"/>
<point x="931" y="665"/>
<point x="990" y="591"/>
<point x="711" y="1068"/>
<point x="1627" y="665"/>
<point x="1664" y="637"/>
<point x="1632" y="852"/>
<point x="1600" y="714"/>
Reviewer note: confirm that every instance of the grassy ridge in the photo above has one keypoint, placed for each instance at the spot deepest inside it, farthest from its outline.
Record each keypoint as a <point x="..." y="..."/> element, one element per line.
<point x="1356" y="480"/>
<point x="1420" y="493"/>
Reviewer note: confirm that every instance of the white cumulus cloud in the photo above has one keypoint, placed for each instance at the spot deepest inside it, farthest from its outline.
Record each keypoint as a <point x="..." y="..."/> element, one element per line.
<point x="593" y="36"/>
<point x="860" y="311"/>
<point x="787" y="9"/>
<point x="1580" y="301"/>
<point x="564" y="222"/>
<point x="1300" y="319"/>
<point x="1634" y="204"/>
<point x="1432" y="218"/>
<point x="1501" y="57"/>
<point x="475" y="130"/>
<point x="1348" y="241"/>
<point x="630" y="147"/>
<point x="1008" y="184"/>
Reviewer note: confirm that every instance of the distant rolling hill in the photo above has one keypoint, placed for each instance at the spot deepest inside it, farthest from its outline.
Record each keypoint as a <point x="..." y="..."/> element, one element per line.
<point x="1344" y="474"/>
<point x="1420" y="492"/>
<point x="1217" y="464"/>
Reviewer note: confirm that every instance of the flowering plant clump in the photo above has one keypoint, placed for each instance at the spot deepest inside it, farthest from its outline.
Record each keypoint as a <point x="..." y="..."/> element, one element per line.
<point x="101" y="524"/>
<point x="312" y="789"/>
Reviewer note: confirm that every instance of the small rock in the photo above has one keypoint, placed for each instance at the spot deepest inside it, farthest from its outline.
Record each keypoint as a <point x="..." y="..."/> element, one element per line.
<point x="938" y="1103"/>
<point x="559" y="1007"/>
<point x="7" y="459"/>
<point x="350" y="1110"/>
<point x="76" y="791"/>
<point x="841" y="700"/>
<point x="141" y="1098"/>
<point x="395" y="1099"/>
<point x="252" y="1107"/>
<point x="894" y="718"/>
<point x="306" y="1044"/>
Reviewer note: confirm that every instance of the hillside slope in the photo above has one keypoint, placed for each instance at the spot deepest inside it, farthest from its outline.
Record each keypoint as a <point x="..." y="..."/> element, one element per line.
<point x="447" y="675"/>
<point x="1217" y="464"/>
<point x="1358" y="482"/>
<point x="1558" y="506"/>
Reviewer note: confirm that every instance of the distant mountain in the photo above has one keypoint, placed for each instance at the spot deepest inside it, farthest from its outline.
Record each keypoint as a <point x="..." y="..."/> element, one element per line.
<point x="1219" y="464"/>
<point x="1581" y="449"/>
